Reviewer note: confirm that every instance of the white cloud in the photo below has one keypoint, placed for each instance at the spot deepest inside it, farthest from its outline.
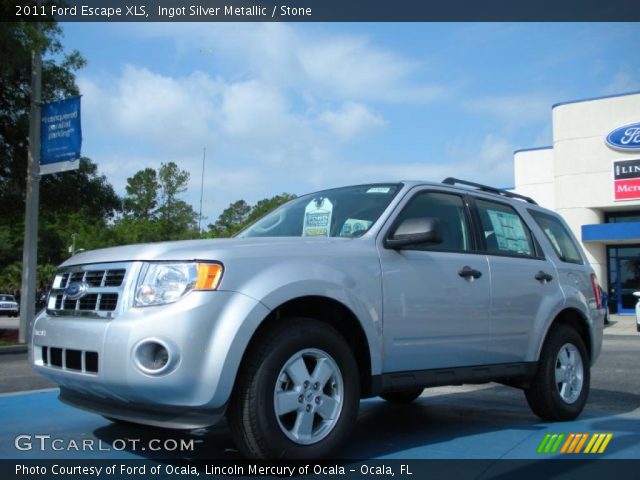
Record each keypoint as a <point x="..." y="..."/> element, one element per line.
<point x="349" y="66"/>
<point x="276" y="123"/>
<point x="172" y="112"/>
<point x="351" y="120"/>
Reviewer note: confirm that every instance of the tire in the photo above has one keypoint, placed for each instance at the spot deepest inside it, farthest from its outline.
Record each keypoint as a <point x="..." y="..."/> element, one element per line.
<point x="404" y="396"/>
<point x="558" y="398"/>
<point x="291" y="362"/>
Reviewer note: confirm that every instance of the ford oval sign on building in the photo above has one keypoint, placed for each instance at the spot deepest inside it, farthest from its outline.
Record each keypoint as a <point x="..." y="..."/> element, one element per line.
<point x="625" y="138"/>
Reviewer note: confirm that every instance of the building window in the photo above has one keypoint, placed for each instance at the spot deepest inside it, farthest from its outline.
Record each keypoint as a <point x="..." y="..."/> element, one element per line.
<point x="624" y="277"/>
<point x="622" y="217"/>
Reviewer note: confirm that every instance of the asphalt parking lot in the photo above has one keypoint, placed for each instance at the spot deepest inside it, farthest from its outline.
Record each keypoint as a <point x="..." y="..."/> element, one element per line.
<point x="476" y="422"/>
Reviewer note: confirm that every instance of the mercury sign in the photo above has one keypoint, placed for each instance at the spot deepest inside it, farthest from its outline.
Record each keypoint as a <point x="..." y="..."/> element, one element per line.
<point x="626" y="179"/>
<point x="625" y="138"/>
<point x="61" y="136"/>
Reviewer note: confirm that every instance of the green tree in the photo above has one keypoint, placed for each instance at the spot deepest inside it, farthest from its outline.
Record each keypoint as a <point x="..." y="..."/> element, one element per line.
<point x="142" y="195"/>
<point x="177" y="218"/>
<point x="153" y="210"/>
<point x="81" y="201"/>
<point x="17" y="41"/>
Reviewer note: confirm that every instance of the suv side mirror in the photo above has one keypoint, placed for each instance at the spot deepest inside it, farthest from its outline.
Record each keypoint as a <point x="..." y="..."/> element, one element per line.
<point x="414" y="231"/>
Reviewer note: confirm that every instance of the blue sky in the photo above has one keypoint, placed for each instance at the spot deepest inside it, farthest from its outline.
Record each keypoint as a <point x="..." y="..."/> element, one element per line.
<point x="300" y="107"/>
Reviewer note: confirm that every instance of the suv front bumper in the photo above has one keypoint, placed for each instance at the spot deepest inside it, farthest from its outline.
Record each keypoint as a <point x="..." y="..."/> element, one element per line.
<point x="94" y="360"/>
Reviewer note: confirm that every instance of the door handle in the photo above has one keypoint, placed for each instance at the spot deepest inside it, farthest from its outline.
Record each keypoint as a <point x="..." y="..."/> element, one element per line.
<point x="468" y="272"/>
<point x="543" y="277"/>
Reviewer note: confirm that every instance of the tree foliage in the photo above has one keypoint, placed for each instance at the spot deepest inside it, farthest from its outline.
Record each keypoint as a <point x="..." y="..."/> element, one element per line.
<point x="152" y="209"/>
<point x="82" y="204"/>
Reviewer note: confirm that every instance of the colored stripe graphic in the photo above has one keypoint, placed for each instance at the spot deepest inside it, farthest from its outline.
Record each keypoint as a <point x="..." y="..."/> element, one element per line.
<point x="573" y="443"/>
<point x="599" y="443"/>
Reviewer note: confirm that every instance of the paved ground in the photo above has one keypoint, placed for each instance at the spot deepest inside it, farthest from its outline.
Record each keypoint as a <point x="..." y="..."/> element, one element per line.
<point x="486" y="422"/>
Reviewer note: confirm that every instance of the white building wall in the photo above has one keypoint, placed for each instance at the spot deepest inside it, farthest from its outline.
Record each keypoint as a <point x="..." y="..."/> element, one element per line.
<point x="575" y="177"/>
<point x="584" y="164"/>
<point x="534" y="175"/>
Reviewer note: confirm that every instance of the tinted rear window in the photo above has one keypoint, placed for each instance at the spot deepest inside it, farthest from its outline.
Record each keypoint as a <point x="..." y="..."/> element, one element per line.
<point x="558" y="236"/>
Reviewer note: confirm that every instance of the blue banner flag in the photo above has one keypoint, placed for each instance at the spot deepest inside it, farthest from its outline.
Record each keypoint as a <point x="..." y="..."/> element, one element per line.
<point x="61" y="136"/>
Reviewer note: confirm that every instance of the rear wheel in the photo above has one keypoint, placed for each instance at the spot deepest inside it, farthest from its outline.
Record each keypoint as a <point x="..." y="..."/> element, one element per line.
<point x="403" y="396"/>
<point x="297" y="393"/>
<point x="561" y="385"/>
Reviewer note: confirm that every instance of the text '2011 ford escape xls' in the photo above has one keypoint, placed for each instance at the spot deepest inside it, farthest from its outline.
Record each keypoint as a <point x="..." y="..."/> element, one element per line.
<point x="380" y="289"/>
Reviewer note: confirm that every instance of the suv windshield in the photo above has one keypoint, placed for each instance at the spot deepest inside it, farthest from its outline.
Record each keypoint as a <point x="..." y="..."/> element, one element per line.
<point x="339" y="212"/>
<point x="7" y="298"/>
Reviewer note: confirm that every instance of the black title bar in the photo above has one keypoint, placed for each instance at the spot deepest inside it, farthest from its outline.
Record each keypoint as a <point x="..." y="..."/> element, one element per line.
<point x="321" y="10"/>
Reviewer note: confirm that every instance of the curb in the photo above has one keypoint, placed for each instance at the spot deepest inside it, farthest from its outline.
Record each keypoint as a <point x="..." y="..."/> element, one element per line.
<point x="18" y="348"/>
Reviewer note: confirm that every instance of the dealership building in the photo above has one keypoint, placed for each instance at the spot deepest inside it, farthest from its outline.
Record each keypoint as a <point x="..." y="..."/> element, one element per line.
<point x="591" y="176"/>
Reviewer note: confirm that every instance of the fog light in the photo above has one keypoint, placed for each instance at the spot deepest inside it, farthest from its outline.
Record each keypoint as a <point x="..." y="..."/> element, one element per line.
<point x="152" y="356"/>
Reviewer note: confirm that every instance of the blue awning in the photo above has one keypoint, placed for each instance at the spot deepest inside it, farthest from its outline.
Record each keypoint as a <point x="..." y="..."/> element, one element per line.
<point x="611" y="232"/>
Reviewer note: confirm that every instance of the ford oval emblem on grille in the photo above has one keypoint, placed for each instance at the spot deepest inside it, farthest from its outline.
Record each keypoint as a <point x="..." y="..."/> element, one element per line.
<point x="76" y="290"/>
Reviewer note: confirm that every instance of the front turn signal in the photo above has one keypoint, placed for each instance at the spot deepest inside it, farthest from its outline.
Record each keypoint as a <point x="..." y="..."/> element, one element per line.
<point x="209" y="275"/>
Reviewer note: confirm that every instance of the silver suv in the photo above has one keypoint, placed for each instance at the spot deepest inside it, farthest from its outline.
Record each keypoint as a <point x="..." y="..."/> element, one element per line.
<point x="380" y="289"/>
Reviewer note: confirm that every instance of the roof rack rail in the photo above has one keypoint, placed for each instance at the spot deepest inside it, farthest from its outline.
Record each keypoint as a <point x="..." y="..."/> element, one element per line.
<point x="486" y="188"/>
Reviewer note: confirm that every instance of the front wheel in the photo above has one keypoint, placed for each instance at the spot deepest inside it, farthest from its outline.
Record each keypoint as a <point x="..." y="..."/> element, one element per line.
<point x="297" y="392"/>
<point x="560" y="387"/>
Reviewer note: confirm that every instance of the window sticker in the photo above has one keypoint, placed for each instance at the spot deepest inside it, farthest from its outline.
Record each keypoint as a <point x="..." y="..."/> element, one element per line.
<point x="317" y="218"/>
<point x="379" y="190"/>
<point x="509" y="232"/>
<point x="352" y="226"/>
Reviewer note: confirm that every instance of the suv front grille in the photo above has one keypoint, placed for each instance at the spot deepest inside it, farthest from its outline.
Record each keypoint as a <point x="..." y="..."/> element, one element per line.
<point x="102" y="287"/>
<point x="67" y="359"/>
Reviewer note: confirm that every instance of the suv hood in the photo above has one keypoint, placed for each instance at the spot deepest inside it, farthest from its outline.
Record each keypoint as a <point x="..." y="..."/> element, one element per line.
<point x="220" y="249"/>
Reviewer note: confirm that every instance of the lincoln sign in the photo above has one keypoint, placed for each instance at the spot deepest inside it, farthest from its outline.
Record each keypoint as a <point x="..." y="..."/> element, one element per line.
<point x="626" y="179"/>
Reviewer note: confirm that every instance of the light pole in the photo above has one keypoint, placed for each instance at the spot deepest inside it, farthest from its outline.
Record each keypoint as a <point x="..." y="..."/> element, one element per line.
<point x="30" y="245"/>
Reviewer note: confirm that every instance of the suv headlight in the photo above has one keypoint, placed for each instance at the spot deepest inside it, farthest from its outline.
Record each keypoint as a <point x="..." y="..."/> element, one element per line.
<point x="162" y="283"/>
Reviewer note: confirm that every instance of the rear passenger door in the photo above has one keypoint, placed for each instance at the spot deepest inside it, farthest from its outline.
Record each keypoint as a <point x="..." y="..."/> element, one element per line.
<point x="435" y="296"/>
<point x="524" y="287"/>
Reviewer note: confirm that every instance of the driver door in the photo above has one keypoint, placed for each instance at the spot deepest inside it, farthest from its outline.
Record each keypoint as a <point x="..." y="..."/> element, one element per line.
<point x="436" y="314"/>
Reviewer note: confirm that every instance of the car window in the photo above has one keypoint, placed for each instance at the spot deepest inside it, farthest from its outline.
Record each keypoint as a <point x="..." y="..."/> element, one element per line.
<point x="504" y="231"/>
<point x="7" y="298"/>
<point x="346" y="212"/>
<point x="558" y="236"/>
<point x="449" y="210"/>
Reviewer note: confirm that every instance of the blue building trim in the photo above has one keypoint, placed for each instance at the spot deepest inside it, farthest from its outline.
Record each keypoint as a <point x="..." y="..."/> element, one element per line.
<point x="533" y="149"/>
<point x="594" y="98"/>
<point x="611" y="232"/>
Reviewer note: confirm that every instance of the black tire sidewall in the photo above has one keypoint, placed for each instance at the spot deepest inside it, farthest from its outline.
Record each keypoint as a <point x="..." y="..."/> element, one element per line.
<point x="560" y="337"/>
<point x="324" y="338"/>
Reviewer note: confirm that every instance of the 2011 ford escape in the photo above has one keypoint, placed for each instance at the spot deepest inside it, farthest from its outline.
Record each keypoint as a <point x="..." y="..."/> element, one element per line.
<point x="380" y="289"/>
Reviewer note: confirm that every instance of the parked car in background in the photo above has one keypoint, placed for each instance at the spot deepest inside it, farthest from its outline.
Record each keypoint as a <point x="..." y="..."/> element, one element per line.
<point x="8" y="305"/>
<point x="380" y="289"/>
